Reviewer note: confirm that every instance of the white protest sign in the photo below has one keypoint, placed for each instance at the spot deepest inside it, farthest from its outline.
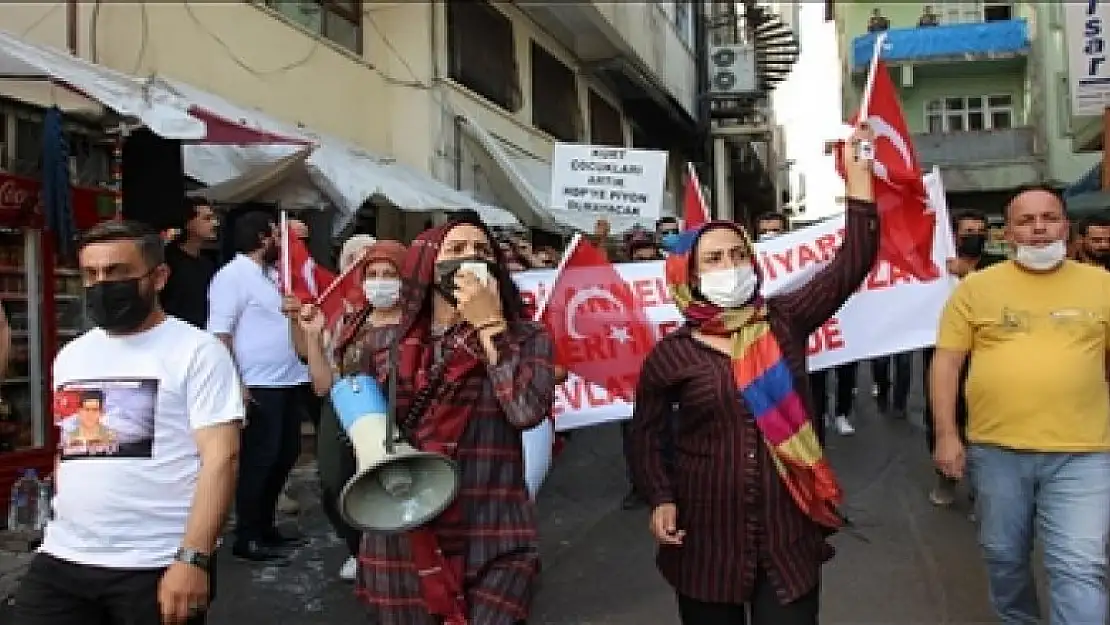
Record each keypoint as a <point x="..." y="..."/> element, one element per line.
<point x="891" y="313"/>
<point x="607" y="182"/>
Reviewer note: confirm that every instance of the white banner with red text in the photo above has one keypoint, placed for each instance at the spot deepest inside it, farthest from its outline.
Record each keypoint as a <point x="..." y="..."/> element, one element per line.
<point x="891" y="313"/>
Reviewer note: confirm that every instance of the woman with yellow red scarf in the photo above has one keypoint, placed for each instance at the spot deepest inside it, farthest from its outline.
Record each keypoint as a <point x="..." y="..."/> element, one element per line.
<point x="741" y="518"/>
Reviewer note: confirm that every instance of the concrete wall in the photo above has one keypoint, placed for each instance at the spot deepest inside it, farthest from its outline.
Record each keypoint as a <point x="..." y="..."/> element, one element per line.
<point x="393" y="99"/>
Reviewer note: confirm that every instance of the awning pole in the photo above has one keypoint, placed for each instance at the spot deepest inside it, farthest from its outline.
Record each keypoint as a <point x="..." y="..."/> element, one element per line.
<point x="1106" y="149"/>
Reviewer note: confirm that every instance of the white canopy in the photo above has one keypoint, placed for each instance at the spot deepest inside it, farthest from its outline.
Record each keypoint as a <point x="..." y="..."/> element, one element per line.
<point x="127" y="96"/>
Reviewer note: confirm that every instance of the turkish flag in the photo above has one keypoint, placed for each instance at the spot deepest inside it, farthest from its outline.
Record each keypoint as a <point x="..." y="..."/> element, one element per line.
<point x="306" y="279"/>
<point x="65" y="402"/>
<point x="600" y="333"/>
<point x="694" y="211"/>
<point x="906" y="236"/>
<point x="336" y="296"/>
<point x="344" y="296"/>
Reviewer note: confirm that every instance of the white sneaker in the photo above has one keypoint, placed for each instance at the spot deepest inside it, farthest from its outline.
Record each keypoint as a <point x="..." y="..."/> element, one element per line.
<point x="843" y="425"/>
<point x="349" y="570"/>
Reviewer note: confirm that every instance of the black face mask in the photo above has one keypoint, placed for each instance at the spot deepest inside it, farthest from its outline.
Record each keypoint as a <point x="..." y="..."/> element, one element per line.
<point x="971" y="245"/>
<point x="118" y="305"/>
<point x="445" y="275"/>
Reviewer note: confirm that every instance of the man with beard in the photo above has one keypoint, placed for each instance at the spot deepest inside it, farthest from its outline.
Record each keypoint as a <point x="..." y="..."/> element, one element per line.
<point x="245" y="313"/>
<point x="186" y="292"/>
<point x="134" y="533"/>
<point x="1094" y="241"/>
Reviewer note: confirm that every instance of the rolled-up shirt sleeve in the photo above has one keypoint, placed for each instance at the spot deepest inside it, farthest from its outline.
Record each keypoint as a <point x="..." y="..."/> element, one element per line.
<point x="524" y="376"/>
<point x="651" y="431"/>
<point x="225" y="303"/>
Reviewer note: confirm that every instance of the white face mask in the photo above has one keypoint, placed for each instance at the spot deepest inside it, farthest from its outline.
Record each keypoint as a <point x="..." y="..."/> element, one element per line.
<point x="382" y="292"/>
<point x="1041" y="258"/>
<point x="729" y="288"/>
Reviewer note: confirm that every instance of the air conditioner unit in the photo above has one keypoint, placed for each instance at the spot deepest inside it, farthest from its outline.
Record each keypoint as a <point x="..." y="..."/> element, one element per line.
<point x="732" y="71"/>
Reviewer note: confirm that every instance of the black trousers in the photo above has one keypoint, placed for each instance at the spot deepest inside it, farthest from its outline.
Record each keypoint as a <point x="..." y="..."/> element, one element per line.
<point x="271" y="443"/>
<point x="335" y="460"/>
<point x="56" y="592"/>
<point x="845" y="390"/>
<point x="764" y="609"/>
<point x="903" y="375"/>
<point x="961" y="405"/>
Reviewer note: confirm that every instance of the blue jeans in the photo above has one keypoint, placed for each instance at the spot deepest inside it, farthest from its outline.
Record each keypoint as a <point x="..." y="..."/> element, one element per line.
<point x="1066" y="497"/>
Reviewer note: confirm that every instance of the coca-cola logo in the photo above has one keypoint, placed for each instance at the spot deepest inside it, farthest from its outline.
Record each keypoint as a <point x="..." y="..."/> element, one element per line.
<point x="15" y="195"/>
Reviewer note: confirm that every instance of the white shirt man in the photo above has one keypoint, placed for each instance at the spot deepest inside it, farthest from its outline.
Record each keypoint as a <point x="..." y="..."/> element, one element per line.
<point x="244" y="303"/>
<point x="138" y="510"/>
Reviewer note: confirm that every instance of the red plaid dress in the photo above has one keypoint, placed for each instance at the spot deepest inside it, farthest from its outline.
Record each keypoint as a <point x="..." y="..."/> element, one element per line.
<point x="492" y="532"/>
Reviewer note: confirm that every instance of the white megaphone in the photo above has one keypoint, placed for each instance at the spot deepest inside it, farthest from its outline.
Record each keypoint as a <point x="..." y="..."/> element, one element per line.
<point x="396" y="488"/>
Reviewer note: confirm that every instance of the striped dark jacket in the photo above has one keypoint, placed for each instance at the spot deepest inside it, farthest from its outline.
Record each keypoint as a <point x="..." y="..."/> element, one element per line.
<point x="735" y="511"/>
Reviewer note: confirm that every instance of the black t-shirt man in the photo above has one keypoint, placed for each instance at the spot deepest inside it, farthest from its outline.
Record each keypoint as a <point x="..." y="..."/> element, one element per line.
<point x="185" y="295"/>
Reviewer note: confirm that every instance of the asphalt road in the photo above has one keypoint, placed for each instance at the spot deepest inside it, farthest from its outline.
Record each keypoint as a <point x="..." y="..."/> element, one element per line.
<point x="907" y="563"/>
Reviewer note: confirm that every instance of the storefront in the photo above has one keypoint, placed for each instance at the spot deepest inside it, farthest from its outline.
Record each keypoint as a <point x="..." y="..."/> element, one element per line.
<point x="41" y="294"/>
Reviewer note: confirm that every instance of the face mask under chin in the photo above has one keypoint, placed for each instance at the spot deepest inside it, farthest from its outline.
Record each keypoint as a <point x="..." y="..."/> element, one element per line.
<point x="1041" y="258"/>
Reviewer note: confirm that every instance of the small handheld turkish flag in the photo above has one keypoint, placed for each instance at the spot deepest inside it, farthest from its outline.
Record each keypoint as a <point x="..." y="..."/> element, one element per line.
<point x="601" y="333"/>
<point x="908" y="224"/>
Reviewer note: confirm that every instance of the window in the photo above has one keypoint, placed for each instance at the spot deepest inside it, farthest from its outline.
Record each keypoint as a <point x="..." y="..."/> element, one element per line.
<point x="997" y="11"/>
<point x="605" y="122"/>
<point x="975" y="11"/>
<point x="554" y="96"/>
<point x="339" y="21"/>
<point x="28" y="146"/>
<point x="684" y="21"/>
<point x="969" y="114"/>
<point x="482" y="51"/>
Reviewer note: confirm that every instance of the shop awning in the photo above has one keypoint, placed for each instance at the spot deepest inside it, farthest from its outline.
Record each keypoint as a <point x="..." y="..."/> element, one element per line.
<point x="257" y="181"/>
<point x="346" y="174"/>
<point x="530" y="179"/>
<point x="132" y="98"/>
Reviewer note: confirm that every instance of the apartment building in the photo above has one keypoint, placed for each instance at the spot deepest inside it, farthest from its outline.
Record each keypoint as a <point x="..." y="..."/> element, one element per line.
<point x="982" y="87"/>
<point x="465" y="95"/>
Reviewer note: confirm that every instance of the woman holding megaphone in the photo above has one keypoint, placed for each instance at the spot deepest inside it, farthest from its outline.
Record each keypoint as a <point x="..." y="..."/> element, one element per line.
<point x="473" y="372"/>
<point x="366" y="335"/>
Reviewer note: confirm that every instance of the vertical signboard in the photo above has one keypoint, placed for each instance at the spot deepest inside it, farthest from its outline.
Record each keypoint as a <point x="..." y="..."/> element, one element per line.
<point x="1088" y="70"/>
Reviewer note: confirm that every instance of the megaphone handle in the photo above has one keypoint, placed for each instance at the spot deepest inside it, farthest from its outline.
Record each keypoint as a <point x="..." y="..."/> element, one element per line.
<point x="391" y="416"/>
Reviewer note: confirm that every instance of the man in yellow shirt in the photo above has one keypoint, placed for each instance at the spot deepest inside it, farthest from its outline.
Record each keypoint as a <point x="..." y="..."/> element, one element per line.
<point x="1036" y="331"/>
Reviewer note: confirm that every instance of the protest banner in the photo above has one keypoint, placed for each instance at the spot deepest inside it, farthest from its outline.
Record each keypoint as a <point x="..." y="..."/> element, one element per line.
<point x="891" y="313"/>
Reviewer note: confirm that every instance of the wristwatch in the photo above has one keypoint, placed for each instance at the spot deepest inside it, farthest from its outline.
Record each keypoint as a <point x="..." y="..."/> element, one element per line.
<point x="192" y="556"/>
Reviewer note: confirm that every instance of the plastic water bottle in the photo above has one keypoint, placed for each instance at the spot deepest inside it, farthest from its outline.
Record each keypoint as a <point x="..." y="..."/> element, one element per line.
<point x="46" y="499"/>
<point x="23" y="508"/>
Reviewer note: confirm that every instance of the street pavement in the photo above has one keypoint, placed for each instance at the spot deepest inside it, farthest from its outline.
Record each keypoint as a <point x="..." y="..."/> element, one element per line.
<point x="906" y="562"/>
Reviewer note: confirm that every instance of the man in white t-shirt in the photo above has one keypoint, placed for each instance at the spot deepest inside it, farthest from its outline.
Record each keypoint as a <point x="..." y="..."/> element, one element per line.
<point x="244" y="311"/>
<point x="140" y="504"/>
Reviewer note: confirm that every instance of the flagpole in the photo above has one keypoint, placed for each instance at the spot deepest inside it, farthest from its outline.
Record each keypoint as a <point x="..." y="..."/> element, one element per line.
<point x="869" y="86"/>
<point x="558" y="272"/>
<point x="693" y="174"/>
<point x="286" y="277"/>
<point x="338" y="279"/>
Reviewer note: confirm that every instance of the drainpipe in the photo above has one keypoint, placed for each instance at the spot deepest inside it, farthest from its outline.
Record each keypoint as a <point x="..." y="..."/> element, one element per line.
<point x="701" y="55"/>
<point x="71" y="26"/>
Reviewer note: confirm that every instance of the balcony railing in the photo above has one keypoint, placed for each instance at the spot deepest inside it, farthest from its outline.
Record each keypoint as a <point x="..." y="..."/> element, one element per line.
<point x="981" y="146"/>
<point x="950" y="42"/>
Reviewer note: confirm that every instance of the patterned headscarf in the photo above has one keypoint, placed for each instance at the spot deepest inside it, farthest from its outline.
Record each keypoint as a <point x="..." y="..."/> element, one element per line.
<point x="763" y="380"/>
<point x="416" y="352"/>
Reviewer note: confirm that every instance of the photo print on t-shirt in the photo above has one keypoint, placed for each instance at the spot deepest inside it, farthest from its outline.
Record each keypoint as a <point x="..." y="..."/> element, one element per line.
<point x="106" y="418"/>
